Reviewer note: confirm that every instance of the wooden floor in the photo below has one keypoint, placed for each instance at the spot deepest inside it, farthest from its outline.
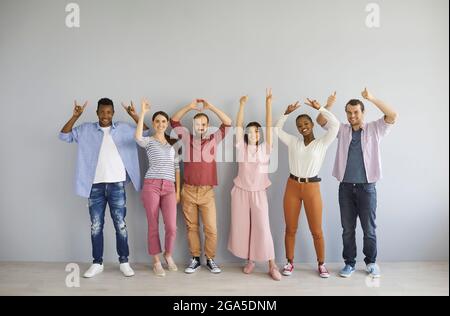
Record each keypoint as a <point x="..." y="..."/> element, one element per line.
<point x="398" y="279"/>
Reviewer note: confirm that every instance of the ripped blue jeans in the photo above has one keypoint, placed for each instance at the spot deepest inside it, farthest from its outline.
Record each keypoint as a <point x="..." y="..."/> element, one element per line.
<point x="114" y="195"/>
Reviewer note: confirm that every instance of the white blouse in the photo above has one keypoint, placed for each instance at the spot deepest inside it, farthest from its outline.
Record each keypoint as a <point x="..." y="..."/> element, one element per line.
<point x="306" y="161"/>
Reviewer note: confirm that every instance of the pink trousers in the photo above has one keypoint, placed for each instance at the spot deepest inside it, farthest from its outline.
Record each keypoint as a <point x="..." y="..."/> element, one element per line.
<point x="156" y="195"/>
<point x="250" y="235"/>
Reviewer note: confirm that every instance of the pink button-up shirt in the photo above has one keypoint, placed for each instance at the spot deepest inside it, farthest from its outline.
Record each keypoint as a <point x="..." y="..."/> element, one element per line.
<point x="253" y="174"/>
<point x="371" y="136"/>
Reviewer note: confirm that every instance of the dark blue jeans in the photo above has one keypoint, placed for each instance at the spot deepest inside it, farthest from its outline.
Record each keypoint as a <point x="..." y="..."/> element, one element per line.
<point x="114" y="195"/>
<point x="358" y="200"/>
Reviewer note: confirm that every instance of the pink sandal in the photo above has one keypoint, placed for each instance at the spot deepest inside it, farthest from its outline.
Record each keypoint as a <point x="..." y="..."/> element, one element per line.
<point x="248" y="269"/>
<point x="275" y="274"/>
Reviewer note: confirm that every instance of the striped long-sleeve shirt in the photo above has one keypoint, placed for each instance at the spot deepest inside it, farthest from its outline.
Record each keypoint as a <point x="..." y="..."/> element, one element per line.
<point x="162" y="159"/>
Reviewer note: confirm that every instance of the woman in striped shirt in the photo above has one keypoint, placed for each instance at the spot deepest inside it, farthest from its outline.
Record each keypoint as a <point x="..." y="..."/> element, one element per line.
<point x="161" y="187"/>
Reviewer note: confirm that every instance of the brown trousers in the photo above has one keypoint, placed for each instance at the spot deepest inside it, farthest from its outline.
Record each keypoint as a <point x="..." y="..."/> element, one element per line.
<point x="308" y="194"/>
<point x="195" y="199"/>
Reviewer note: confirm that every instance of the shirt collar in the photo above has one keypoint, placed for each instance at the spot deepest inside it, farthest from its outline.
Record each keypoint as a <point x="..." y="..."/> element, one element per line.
<point x="114" y="125"/>
<point x="363" y="127"/>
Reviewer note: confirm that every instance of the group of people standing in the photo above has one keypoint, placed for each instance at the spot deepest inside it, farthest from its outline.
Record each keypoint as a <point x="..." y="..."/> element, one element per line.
<point x="108" y="159"/>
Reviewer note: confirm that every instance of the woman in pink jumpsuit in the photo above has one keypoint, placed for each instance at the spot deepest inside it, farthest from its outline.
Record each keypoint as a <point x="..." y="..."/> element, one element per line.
<point x="250" y="235"/>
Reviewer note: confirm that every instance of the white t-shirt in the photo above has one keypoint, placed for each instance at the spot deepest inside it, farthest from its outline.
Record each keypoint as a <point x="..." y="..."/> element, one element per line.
<point x="110" y="167"/>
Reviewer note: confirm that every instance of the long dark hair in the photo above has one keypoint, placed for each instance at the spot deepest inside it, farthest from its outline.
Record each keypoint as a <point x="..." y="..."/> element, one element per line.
<point x="170" y="140"/>
<point x="258" y="127"/>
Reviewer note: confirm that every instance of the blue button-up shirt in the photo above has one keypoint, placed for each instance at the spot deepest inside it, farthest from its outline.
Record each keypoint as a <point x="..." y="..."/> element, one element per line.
<point x="89" y="137"/>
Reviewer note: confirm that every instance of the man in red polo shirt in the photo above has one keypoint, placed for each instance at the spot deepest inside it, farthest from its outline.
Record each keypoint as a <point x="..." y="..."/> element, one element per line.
<point x="200" y="177"/>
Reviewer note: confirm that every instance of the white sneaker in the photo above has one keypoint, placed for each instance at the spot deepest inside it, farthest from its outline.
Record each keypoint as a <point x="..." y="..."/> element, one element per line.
<point x="126" y="269"/>
<point x="93" y="270"/>
<point x="374" y="270"/>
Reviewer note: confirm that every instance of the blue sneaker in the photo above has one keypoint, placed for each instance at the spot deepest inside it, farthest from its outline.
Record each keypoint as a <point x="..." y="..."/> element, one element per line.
<point x="374" y="270"/>
<point x="347" y="271"/>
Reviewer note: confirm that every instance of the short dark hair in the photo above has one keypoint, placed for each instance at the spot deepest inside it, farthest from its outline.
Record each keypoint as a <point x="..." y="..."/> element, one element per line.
<point x="258" y="126"/>
<point x="200" y="115"/>
<point x="105" y="102"/>
<point x="355" y="102"/>
<point x="304" y="116"/>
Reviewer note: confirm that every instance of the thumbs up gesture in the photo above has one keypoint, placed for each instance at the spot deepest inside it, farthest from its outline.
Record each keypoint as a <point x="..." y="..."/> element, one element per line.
<point x="367" y="95"/>
<point x="331" y="100"/>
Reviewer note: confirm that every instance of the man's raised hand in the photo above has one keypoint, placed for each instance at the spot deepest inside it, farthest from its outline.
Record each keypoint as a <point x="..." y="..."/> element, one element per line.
<point x="367" y="95"/>
<point x="131" y="109"/>
<point x="79" y="109"/>
<point x="331" y="100"/>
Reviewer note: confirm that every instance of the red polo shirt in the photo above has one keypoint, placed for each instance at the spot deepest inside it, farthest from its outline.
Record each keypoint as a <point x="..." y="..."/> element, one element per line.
<point x="200" y="155"/>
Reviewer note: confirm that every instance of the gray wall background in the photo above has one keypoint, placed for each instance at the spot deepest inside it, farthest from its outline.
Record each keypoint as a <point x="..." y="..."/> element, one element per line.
<point x="173" y="51"/>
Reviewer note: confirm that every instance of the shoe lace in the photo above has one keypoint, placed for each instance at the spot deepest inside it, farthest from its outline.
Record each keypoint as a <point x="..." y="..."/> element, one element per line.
<point x="193" y="264"/>
<point x="212" y="264"/>
<point x="322" y="269"/>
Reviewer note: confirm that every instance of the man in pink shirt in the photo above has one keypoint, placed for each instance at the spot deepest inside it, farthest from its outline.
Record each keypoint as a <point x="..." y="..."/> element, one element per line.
<point x="358" y="167"/>
<point x="200" y="177"/>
